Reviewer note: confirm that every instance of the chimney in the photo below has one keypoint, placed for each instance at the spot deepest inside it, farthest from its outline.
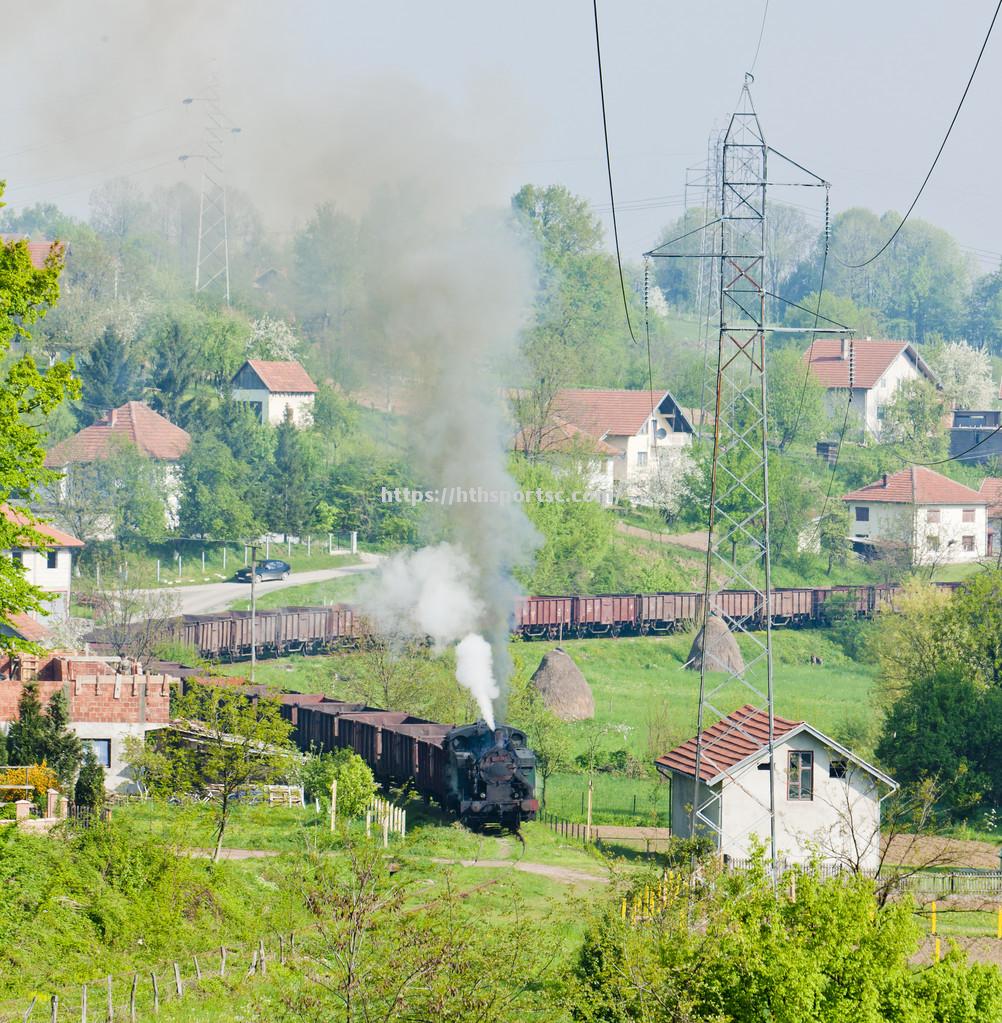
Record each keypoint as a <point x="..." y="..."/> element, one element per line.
<point x="884" y="481"/>
<point x="846" y="347"/>
<point x="111" y="417"/>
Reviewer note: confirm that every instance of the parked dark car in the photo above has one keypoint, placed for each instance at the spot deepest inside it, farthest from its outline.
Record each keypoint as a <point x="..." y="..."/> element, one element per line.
<point x="265" y="570"/>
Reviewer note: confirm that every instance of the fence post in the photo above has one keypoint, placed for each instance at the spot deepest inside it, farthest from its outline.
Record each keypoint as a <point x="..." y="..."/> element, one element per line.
<point x="281" y="949"/>
<point x="224" y="558"/>
<point x="261" y="958"/>
<point x="156" y="993"/>
<point x="203" y="561"/>
<point x="54" y="1009"/>
<point x="177" y="980"/>
<point x="386" y="830"/>
<point x="29" y="1010"/>
<point x="222" y="960"/>
<point x="132" y="998"/>
<point x="83" y="1004"/>
<point x="309" y="545"/>
<point x="198" y="969"/>
<point x="588" y="827"/>
<point x="333" y="802"/>
<point x="158" y="571"/>
<point x="354" y="541"/>
<point x="111" y="1000"/>
<point x="253" y="965"/>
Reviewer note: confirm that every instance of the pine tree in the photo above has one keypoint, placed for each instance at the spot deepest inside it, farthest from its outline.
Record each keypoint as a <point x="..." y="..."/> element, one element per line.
<point x="26" y="737"/>
<point x="89" y="789"/>
<point x="63" y="749"/>
<point x="293" y="493"/>
<point x="109" y="376"/>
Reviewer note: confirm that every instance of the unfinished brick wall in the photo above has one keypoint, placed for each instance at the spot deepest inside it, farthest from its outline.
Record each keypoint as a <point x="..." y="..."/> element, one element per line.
<point x="125" y="699"/>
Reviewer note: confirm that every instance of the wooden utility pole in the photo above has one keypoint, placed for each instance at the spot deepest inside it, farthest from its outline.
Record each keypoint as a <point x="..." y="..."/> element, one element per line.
<point x="253" y="619"/>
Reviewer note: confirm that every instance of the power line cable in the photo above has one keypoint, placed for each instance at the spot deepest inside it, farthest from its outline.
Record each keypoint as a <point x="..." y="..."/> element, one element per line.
<point x="608" y="168"/>
<point x="939" y="152"/>
<point x="761" y="33"/>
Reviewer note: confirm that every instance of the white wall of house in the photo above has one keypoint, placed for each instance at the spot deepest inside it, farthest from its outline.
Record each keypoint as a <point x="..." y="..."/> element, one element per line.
<point x="56" y="579"/>
<point x="117" y="777"/>
<point x="959" y="536"/>
<point x="273" y="405"/>
<point x="648" y="462"/>
<point x="868" y="404"/>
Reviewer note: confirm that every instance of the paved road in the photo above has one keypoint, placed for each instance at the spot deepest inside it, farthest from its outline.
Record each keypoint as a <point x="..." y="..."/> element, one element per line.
<point x="219" y="596"/>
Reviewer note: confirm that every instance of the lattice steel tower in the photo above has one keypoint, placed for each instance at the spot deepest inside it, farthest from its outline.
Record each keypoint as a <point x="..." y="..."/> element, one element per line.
<point x="738" y="548"/>
<point x="212" y="260"/>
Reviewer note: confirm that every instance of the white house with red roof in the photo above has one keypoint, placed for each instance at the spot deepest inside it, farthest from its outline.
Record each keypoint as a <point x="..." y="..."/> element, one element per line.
<point x="275" y="390"/>
<point x="827" y="798"/>
<point x="940" y="520"/>
<point x="47" y="564"/>
<point x="648" y="435"/>
<point x="872" y="370"/>
<point x="134" y="425"/>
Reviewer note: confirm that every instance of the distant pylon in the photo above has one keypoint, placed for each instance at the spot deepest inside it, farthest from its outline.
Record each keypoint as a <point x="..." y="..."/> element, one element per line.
<point x="738" y="548"/>
<point x="212" y="261"/>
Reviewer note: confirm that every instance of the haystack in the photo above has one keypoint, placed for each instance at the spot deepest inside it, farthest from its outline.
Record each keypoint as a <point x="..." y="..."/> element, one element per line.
<point x="564" y="689"/>
<point x="718" y="647"/>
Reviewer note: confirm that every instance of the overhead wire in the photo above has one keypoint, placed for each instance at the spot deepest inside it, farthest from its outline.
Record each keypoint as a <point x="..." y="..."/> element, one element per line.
<point x="608" y="168"/>
<point x="939" y="152"/>
<point x="761" y="33"/>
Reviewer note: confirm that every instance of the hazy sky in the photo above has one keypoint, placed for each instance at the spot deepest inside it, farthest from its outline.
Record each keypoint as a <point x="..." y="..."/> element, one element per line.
<point x="861" y="92"/>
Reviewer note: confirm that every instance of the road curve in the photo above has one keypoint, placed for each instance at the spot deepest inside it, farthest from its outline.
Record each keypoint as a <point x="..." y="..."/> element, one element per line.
<point x="202" y="599"/>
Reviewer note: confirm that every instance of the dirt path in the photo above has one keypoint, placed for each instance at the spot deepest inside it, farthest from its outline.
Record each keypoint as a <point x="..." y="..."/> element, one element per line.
<point x="235" y="854"/>
<point x="693" y="541"/>
<point x="923" y="850"/>
<point x="566" y="875"/>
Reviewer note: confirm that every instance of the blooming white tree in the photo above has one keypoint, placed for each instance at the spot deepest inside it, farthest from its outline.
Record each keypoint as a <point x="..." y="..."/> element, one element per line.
<point x="273" y="339"/>
<point x="965" y="373"/>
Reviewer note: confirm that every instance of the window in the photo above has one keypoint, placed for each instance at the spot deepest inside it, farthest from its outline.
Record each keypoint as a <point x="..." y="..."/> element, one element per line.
<point x="17" y="556"/>
<point x="862" y="514"/>
<point x="932" y="542"/>
<point x="968" y="515"/>
<point x="102" y="750"/>
<point x="51" y="559"/>
<point x="968" y="542"/>
<point x="932" y="515"/>
<point x="800" y="776"/>
<point x="641" y="458"/>
<point x="837" y="768"/>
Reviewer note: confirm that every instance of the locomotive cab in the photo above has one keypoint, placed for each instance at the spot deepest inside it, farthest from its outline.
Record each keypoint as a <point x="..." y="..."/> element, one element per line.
<point x="491" y="775"/>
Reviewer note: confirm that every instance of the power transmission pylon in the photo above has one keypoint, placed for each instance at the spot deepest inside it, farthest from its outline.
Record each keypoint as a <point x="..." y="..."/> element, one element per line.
<point x="738" y="548"/>
<point x="212" y="260"/>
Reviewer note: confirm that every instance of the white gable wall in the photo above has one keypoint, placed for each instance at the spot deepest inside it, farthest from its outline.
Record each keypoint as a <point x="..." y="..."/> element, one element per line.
<point x="930" y="541"/>
<point x="57" y="581"/>
<point x="273" y="405"/>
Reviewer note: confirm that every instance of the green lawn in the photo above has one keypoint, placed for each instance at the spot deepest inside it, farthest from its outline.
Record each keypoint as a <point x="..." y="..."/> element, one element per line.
<point x="331" y="591"/>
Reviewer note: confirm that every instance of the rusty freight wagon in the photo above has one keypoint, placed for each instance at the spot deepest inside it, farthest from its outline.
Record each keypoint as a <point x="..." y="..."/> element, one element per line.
<point x="543" y="617"/>
<point x="606" y="615"/>
<point x="668" y="612"/>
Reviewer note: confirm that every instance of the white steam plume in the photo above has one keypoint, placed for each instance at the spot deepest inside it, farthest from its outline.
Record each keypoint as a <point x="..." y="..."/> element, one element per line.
<point x="475" y="671"/>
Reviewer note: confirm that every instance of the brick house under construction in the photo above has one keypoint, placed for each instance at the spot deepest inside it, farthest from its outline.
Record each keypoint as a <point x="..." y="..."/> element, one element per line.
<point x="106" y="705"/>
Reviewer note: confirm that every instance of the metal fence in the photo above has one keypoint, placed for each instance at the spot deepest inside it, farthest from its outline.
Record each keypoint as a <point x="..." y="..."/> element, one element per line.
<point x="615" y="799"/>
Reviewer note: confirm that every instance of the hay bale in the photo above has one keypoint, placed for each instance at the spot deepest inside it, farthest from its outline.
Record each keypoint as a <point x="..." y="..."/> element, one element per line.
<point x="719" y="648"/>
<point x="564" y="689"/>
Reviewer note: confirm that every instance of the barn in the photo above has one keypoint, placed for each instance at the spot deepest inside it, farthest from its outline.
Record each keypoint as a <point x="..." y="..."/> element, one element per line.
<point x="827" y="798"/>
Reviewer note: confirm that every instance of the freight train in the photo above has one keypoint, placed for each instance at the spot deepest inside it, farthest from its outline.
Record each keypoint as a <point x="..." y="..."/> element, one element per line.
<point x="479" y="774"/>
<point x="226" y="635"/>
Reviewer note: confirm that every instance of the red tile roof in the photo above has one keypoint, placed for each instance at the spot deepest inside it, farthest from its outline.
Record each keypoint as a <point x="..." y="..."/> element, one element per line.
<point x="916" y="485"/>
<point x="607" y="413"/>
<point x="870" y="360"/>
<point x="991" y="491"/>
<point x="27" y="628"/>
<point x="136" y="423"/>
<point x="727" y="743"/>
<point x="559" y="435"/>
<point x="283" y="377"/>
<point x="38" y="251"/>
<point x="59" y="539"/>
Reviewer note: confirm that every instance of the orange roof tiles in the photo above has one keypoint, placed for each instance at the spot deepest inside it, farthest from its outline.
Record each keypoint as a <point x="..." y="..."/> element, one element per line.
<point x="134" y="422"/>
<point x="27" y="628"/>
<point x="870" y="361"/>
<point x="283" y="377"/>
<point x="727" y="743"/>
<point x="916" y="485"/>
<point x="991" y="491"/>
<point x="38" y="251"/>
<point x="607" y="413"/>
<point x="18" y="517"/>
<point x="559" y="435"/>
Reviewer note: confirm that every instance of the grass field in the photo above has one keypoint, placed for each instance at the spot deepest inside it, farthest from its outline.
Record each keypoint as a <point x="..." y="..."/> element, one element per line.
<point x="332" y="591"/>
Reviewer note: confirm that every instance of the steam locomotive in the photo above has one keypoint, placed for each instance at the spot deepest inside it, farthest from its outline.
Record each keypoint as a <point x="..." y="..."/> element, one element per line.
<point x="479" y="774"/>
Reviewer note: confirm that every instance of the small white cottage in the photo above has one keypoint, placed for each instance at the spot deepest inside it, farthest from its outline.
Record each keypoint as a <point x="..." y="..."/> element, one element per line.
<point x="275" y="390"/>
<point x="827" y="799"/>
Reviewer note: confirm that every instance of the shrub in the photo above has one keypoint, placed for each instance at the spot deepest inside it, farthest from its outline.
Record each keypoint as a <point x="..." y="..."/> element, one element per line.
<point x="89" y="789"/>
<point x="355" y="784"/>
<point x="39" y="776"/>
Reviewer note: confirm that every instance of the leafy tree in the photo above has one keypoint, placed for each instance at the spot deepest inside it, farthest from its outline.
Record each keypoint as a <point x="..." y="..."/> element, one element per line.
<point x="738" y="951"/>
<point x="562" y="222"/>
<point x="353" y="492"/>
<point x="27" y="396"/>
<point x="26" y="737"/>
<point x="292" y="501"/>
<point x="796" y="401"/>
<point x="215" y="500"/>
<point x="864" y="322"/>
<point x="175" y="381"/>
<point x="975" y="613"/>
<point x="984" y="314"/>
<point x="272" y="339"/>
<point x="243" y="741"/>
<point x="913" y="419"/>
<point x="333" y="415"/>
<point x="964" y="372"/>
<point x="833" y="535"/>
<point x="161" y="764"/>
<point x="547" y="734"/>
<point x="355" y="784"/>
<point x="63" y="748"/>
<point x="109" y="376"/>
<point x="89" y="790"/>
